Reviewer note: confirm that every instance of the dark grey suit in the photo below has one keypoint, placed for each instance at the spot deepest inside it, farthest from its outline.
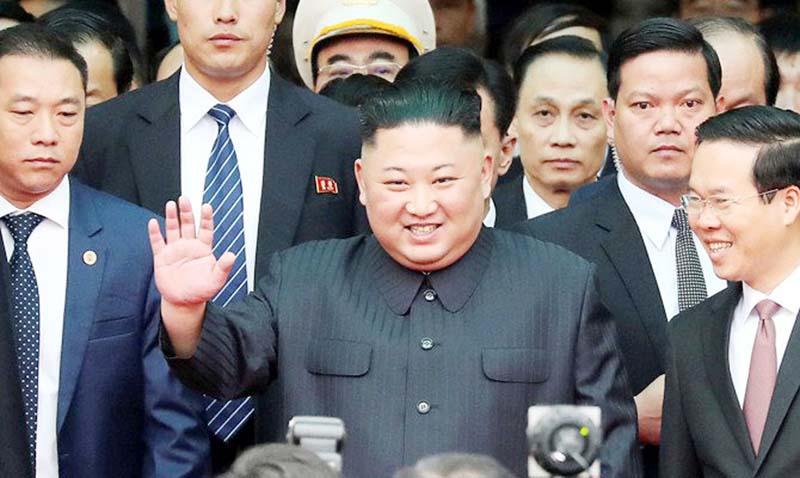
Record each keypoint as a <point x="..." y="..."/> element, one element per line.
<point x="509" y="203"/>
<point x="131" y="149"/>
<point x="704" y="432"/>
<point x="339" y="328"/>
<point x="13" y="440"/>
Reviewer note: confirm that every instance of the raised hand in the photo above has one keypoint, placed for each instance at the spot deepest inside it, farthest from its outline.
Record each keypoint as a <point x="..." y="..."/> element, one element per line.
<point x="186" y="272"/>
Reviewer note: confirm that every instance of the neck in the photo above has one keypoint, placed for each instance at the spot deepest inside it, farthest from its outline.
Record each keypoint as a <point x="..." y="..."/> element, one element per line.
<point x="670" y="193"/>
<point x="782" y="266"/>
<point x="556" y="198"/>
<point x="222" y="88"/>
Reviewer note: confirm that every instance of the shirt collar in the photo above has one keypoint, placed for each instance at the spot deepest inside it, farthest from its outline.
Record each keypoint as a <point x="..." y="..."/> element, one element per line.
<point x="54" y="206"/>
<point x="454" y="285"/>
<point x="535" y="205"/>
<point x="785" y="295"/>
<point x="653" y="215"/>
<point x="250" y="105"/>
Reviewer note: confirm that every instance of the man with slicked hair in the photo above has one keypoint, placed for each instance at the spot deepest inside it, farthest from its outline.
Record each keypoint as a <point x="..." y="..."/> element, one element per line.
<point x="730" y="406"/>
<point x="405" y="334"/>
<point x="663" y="79"/>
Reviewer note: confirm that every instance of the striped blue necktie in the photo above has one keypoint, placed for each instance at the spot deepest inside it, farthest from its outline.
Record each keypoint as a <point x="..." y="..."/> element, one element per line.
<point x="25" y="319"/>
<point x="223" y="191"/>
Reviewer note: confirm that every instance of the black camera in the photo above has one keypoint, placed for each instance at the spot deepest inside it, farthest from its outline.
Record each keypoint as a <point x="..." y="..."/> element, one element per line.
<point x="564" y="440"/>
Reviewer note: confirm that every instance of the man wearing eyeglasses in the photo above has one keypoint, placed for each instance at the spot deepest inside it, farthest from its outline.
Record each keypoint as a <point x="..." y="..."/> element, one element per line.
<point x="729" y="407"/>
<point x="337" y="38"/>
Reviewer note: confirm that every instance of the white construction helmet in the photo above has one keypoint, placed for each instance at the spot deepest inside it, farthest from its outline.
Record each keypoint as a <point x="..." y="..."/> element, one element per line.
<point x="318" y="20"/>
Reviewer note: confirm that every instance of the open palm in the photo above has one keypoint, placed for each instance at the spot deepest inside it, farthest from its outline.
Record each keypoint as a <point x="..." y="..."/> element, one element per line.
<point x="185" y="269"/>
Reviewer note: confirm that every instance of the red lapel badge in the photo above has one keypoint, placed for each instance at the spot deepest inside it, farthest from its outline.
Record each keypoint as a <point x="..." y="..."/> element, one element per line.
<point x="326" y="185"/>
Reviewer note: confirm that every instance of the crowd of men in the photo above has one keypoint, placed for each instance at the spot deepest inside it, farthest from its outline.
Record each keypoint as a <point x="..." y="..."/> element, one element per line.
<point x="190" y="263"/>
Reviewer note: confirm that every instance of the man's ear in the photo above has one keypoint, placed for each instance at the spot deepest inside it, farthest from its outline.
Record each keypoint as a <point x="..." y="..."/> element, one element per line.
<point x="280" y="11"/>
<point x="507" y="148"/>
<point x="487" y="175"/>
<point x="791" y="204"/>
<point x="720" y="104"/>
<point x="609" y="116"/>
<point x="172" y="10"/>
<point x="359" y="170"/>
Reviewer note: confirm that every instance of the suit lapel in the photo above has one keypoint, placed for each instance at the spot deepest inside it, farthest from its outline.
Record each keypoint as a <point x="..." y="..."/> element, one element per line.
<point x="786" y="388"/>
<point x="510" y="203"/>
<point x="155" y="150"/>
<point x="287" y="170"/>
<point x="83" y="288"/>
<point x="715" y="338"/>
<point x="627" y="254"/>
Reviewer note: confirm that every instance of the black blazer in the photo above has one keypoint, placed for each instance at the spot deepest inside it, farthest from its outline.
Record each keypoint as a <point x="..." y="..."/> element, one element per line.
<point x="509" y="203"/>
<point x="704" y="432"/>
<point x="131" y="149"/>
<point x="13" y="439"/>
<point x="604" y="232"/>
<point x="338" y="328"/>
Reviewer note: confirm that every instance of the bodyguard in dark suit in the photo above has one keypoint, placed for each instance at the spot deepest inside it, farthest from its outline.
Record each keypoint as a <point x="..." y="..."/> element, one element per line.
<point x="731" y="390"/>
<point x="98" y="398"/>
<point x="406" y="335"/>
<point x="663" y="80"/>
<point x="292" y="151"/>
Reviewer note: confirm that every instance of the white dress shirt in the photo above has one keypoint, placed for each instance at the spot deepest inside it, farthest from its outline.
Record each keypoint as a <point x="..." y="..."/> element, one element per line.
<point x="653" y="216"/>
<point x="248" y="133"/>
<point x="47" y="247"/>
<point x="491" y="215"/>
<point x="534" y="204"/>
<point x="745" y="325"/>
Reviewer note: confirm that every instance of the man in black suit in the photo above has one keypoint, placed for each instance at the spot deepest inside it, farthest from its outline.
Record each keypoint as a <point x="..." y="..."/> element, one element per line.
<point x="409" y="335"/>
<point x="663" y="80"/>
<point x="290" y="176"/>
<point x="730" y="406"/>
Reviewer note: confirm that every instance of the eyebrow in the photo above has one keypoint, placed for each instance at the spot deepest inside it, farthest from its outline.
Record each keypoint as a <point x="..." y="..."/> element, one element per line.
<point x="580" y="102"/>
<point x="382" y="55"/>
<point x="401" y="170"/>
<point x="30" y="99"/>
<point x="680" y="94"/>
<point x="338" y="58"/>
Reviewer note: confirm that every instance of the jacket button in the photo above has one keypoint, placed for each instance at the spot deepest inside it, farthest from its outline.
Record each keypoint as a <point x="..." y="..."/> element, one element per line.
<point x="429" y="295"/>
<point x="426" y="343"/>
<point x="423" y="407"/>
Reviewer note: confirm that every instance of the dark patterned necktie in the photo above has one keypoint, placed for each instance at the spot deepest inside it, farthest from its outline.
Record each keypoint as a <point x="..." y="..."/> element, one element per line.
<point x="223" y="191"/>
<point x="691" y="283"/>
<point x="25" y="319"/>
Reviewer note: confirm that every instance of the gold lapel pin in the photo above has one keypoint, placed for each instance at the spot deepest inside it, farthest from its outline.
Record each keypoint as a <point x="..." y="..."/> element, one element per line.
<point x="90" y="258"/>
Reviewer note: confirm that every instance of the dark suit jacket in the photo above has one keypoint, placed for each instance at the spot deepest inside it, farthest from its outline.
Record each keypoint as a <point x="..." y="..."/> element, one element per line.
<point x="121" y="413"/>
<point x="603" y="231"/>
<point x="509" y="203"/>
<point x="336" y="327"/>
<point x="131" y="149"/>
<point x="13" y="439"/>
<point x="704" y="432"/>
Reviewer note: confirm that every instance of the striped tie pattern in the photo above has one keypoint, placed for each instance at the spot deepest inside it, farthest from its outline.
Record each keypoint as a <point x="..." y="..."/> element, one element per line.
<point x="25" y="319"/>
<point x="223" y="191"/>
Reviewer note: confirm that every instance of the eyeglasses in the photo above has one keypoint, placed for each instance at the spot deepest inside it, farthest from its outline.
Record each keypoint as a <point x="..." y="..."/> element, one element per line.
<point x="694" y="205"/>
<point x="385" y="69"/>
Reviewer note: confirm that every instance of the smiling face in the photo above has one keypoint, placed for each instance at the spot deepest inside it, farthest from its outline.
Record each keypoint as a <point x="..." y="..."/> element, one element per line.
<point x="225" y="41"/>
<point x="42" y="103"/>
<point x="663" y="97"/>
<point x="744" y="242"/>
<point x="424" y="187"/>
<point x="559" y="121"/>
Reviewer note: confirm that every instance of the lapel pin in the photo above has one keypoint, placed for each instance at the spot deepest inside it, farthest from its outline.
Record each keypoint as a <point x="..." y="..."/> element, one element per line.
<point x="326" y="185"/>
<point x="90" y="258"/>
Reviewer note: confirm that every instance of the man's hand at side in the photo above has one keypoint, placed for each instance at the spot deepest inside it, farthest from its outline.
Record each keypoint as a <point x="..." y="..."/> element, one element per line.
<point x="186" y="272"/>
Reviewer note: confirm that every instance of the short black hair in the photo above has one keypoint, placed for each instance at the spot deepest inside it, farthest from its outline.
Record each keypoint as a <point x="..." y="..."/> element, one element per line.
<point x="777" y="131"/>
<point x="355" y="89"/>
<point x="277" y="460"/>
<point x="661" y="34"/>
<point x="569" y="45"/>
<point x="543" y="19"/>
<point x="712" y="26"/>
<point x="462" y="67"/>
<point x="421" y="102"/>
<point x="13" y="11"/>
<point x="412" y="51"/>
<point x="79" y="26"/>
<point x="33" y="40"/>
<point x="782" y="32"/>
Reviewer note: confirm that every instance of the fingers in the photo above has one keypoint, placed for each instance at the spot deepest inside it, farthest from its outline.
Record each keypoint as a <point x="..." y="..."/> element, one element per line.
<point x="156" y="239"/>
<point x="187" y="218"/>
<point x="223" y="268"/>
<point x="206" y="231"/>
<point x="171" y="224"/>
